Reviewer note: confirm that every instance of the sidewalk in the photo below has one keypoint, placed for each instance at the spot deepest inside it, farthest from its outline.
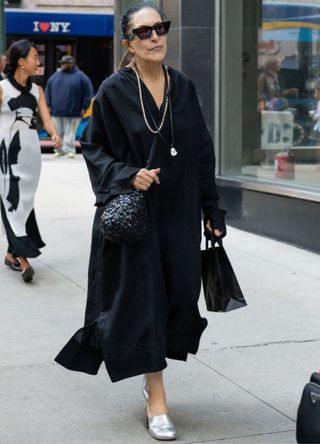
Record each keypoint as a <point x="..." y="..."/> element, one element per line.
<point x="244" y="385"/>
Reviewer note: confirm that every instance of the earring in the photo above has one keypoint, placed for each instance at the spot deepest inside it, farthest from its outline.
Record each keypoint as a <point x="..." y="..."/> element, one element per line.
<point x="22" y="66"/>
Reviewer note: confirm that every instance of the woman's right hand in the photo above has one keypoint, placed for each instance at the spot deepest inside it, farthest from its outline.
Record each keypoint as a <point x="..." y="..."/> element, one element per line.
<point x="145" y="178"/>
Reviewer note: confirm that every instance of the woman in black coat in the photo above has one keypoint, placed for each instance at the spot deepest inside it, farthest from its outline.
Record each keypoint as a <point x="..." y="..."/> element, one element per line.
<point x="142" y="298"/>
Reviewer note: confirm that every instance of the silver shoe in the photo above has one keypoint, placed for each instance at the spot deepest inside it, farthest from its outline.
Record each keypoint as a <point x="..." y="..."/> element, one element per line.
<point x="161" y="428"/>
<point x="145" y="389"/>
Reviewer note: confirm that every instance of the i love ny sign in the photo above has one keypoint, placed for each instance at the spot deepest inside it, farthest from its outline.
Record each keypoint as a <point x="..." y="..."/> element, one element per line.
<point x="52" y="27"/>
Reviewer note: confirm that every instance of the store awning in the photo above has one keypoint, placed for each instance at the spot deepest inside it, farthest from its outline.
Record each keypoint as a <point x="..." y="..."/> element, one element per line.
<point x="29" y="22"/>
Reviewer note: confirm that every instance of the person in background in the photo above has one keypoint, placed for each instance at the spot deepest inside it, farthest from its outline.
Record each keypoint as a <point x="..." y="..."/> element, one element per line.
<point x="315" y="115"/>
<point x="269" y="90"/>
<point x="20" y="155"/>
<point x="3" y="62"/>
<point x="68" y="94"/>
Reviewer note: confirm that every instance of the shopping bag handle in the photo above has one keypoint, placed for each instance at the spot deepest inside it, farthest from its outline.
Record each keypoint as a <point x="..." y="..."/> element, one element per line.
<point x="214" y="240"/>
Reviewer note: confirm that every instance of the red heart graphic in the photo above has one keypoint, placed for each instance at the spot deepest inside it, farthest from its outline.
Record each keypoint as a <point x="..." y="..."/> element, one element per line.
<point x="44" y="26"/>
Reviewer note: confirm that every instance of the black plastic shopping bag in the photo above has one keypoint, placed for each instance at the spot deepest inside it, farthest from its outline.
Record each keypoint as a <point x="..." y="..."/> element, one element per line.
<point x="222" y="291"/>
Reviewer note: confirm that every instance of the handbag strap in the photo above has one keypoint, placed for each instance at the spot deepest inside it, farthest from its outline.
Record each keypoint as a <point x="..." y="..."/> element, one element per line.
<point x="214" y="240"/>
<point x="153" y="146"/>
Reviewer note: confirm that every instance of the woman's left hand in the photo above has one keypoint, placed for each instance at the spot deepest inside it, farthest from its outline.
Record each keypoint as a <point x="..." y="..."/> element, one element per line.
<point x="56" y="141"/>
<point x="216" y="232"/>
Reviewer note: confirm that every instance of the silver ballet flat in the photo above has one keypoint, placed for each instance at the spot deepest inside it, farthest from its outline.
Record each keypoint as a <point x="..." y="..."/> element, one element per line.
<point x="160" y="427"/>
<point x="145" y="389"/>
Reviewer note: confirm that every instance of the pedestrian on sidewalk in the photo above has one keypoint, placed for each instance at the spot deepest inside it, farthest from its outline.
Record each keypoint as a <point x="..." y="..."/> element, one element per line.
<point x="68" y="92"/>
<point x="315" y="115"/>
<point x="142" y="302"/>
<point x="3" y="62"/>
<point x="20" y="155"/>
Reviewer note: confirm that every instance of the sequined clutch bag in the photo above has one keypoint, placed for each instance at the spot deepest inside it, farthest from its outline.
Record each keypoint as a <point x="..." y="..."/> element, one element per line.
<point x="125" y="218"/>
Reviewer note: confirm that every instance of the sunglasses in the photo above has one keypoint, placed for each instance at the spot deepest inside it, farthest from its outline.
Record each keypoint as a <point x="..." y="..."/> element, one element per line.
<point x="145" y="32"/>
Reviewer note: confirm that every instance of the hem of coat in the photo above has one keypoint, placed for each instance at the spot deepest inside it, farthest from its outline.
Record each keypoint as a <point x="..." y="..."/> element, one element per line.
<point x="177" y="355"/>
<point x="177" y="348"/>
<point x="129" y="373"/>
<point x="81" y="355"/>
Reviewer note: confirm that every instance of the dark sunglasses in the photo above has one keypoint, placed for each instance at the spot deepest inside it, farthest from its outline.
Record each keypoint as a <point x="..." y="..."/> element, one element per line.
<point x="145" y="32"/>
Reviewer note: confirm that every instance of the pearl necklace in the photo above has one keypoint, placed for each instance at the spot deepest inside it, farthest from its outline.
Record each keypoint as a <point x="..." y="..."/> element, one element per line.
<point x="144" y="111"/>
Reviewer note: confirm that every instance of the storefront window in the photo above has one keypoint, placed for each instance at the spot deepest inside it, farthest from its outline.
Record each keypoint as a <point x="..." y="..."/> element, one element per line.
<point x="42" y="52"/>
<point x="278" y="94"/>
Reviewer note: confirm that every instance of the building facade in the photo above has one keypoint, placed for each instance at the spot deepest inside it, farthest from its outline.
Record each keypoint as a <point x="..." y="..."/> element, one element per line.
<point x="75" y="5"/>
<point x="81" y="28"/>
<point x="256" y="67"/>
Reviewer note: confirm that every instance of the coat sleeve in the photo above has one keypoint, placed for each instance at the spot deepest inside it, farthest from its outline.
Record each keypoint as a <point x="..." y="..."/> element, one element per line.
<point x="209" y="194"/>
<point x="103" y="147"/>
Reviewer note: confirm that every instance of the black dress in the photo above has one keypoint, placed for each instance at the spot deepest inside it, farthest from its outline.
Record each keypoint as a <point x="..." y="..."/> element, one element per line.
<point x="142" y="298"/>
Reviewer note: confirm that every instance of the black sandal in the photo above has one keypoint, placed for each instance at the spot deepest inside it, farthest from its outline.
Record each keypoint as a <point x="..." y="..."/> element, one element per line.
<point x="27" y="274"/>
<point x="15" y="266"/>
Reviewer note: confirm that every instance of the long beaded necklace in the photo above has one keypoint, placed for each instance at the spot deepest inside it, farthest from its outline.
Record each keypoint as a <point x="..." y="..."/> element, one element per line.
<point x="173" y="151"/>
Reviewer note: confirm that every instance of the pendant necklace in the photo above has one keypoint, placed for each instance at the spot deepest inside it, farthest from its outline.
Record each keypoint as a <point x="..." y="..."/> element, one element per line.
<point x="173" y="151"/>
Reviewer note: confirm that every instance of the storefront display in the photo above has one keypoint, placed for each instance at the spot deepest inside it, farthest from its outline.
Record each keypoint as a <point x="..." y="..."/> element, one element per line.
<point x="276" y="91"/>
<point x="288" y="73"/>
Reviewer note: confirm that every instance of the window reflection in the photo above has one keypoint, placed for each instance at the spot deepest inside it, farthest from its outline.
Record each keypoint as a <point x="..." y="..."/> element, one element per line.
<point x="288" y="96"/>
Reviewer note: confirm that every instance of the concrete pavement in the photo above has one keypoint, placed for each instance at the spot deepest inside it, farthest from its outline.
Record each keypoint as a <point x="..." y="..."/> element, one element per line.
<point x="244" y="385"/>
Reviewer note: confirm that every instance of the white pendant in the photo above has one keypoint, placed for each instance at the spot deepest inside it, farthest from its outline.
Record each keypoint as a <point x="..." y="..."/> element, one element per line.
<point x="173" y="151"/>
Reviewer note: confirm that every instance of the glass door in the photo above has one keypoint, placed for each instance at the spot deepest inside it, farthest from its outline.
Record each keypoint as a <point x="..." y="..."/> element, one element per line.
<point x="50" y="51"/>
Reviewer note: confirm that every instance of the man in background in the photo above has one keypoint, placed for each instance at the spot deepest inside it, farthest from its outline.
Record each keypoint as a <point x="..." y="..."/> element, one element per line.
<point x="68" y="94"/>
<point x="3" y="62"/>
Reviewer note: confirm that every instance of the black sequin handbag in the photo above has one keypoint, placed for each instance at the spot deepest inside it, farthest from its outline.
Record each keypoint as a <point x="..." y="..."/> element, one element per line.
<point x="125" y="218"/>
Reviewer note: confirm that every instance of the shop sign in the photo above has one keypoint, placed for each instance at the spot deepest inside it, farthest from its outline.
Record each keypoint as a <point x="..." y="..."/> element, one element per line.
<point x="26" y="22"/>
<point x="63" y="27"/>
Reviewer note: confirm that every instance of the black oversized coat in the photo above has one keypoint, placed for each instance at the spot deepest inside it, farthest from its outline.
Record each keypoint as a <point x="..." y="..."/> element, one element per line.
<point x="142" y="298"/>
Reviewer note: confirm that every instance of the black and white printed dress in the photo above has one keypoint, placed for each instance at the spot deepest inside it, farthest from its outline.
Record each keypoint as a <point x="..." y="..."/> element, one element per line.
<point x="20" y="165"/>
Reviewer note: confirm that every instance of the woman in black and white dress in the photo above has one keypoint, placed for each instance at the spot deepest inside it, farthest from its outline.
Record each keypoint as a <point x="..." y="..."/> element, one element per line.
<point x="20" y="155"/>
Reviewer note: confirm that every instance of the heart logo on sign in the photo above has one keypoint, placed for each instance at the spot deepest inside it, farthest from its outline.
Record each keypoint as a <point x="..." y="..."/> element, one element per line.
<point x="44" y="26"/>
